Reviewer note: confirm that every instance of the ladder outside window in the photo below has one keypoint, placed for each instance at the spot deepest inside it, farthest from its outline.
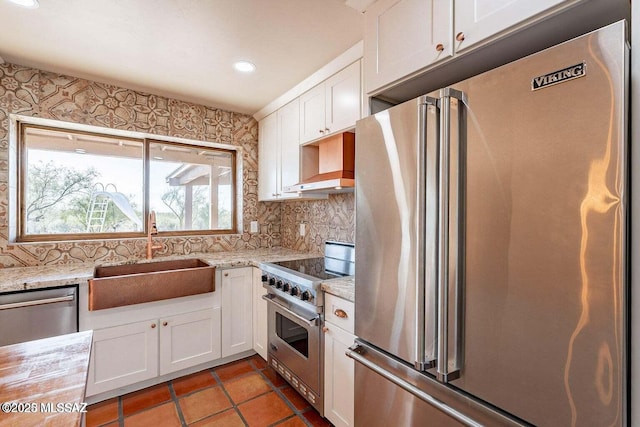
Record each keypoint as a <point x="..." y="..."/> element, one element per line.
<point x="98" y="208"/>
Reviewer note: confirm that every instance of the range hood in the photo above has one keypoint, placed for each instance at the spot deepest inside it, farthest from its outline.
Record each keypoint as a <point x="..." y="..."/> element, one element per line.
<point x="327" y="165"/>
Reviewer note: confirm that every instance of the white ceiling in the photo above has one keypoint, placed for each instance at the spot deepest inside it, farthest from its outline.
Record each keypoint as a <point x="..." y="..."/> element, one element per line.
<point x="183" y="49"/>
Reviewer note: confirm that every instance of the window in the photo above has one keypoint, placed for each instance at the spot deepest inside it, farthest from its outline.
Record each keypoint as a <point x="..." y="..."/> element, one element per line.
<point x="78" y="185"/>
<point x="191" y="187"/>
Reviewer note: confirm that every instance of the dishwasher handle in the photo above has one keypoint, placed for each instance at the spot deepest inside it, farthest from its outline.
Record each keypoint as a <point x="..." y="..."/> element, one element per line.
<point x="37" y="302"/>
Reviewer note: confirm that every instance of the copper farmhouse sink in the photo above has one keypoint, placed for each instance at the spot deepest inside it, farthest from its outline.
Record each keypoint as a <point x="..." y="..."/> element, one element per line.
<point x="119" y="285"/>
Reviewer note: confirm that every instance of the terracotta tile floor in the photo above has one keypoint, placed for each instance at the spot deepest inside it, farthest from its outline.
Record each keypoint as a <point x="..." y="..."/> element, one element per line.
<point x="242" y="393"/>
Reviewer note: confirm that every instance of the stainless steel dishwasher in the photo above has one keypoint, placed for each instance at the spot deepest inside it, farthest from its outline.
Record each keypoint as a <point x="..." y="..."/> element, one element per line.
<point x="34" y="314"/>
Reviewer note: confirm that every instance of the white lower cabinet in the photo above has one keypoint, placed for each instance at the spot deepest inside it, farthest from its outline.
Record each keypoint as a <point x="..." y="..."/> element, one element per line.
<point x="339" y="370"/>
<point x="260" y="331"/>
<point x="127" y="354"/>
<point x="123" y="355"/>
<point x="169" y="336"/>
<point x="189" y="339"/>
<point x="237" y="310"/>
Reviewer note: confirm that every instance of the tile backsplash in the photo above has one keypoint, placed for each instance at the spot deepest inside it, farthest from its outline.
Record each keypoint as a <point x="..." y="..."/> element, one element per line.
<point x="31" y="92"/>
<point x="331" y="219"/>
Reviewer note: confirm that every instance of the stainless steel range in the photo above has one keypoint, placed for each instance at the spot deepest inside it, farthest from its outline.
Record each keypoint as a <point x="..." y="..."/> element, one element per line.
<point x="295" y="315"/>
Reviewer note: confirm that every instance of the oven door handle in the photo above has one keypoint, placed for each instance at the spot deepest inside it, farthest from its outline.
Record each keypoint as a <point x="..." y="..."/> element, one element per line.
<point x="311" y="322"/>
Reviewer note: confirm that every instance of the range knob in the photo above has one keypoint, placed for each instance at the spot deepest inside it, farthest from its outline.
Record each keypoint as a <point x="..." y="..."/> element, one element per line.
<point x="294" y="291"/>
<point x="306" y="296"/>
<point x="272" y="282"/>
<point x="264" y="277"/>
<point x="286" y="287"/>
<point x="279" y="284"/>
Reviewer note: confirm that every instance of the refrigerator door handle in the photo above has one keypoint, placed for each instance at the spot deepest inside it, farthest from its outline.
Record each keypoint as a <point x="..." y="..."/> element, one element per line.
<point x="448" y="249"/>
<point x="424" y="359"/>
<point x="354" y="352"/>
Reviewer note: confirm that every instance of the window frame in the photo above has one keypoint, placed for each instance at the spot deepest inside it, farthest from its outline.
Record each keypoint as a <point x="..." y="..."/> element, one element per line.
<point x="20" y="124"/>
<point x="234" y="206"/>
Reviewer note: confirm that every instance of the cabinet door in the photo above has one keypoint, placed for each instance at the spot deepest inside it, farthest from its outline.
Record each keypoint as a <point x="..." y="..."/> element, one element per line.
<point x="123" y="355"/>
<point x="259" y="315"/>
<point x="189" y="339"/>
<point x="338" y="376"/>
<point x="404" y="36"/>
<point x="477" y="20"/>
<point x="268" y="157"/>
<point x="312" y="109"/>
<point x="289" y="137"/>
<point x="237" y="307"/>
<point x="343" y="99"/>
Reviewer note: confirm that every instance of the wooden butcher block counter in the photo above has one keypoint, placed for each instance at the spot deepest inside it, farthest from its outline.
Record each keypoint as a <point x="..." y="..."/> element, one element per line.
<point x="42" y="382"/>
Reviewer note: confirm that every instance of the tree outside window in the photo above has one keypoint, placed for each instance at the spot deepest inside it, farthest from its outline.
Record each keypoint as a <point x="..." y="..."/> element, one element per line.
<point x="79" y="184"/>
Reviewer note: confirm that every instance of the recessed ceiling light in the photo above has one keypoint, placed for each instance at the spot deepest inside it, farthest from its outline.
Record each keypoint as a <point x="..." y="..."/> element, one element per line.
<point x="244" y="66"/>
<point x="158" y="158"/>
<point x="31" y="4"/>
<point x="80" y="151"/>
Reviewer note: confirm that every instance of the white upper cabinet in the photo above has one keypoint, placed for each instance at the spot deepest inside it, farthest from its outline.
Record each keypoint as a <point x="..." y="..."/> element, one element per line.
<point x="478" y="20"/>
<point x="268" y="157"/>
<point x="332" y="106"/>
<point x="343" y="94"/>
<point x="404" y="36"/>
<point x="312" y="110"/>
<point x="289" y="136"/>
<point x="279" y="153"/>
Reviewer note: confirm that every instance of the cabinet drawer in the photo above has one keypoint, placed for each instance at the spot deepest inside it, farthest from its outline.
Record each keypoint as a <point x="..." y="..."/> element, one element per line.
<point x="339" y="312"/>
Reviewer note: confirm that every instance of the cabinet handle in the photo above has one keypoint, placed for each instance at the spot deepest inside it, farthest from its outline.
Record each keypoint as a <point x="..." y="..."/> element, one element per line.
<point x="321" y="131"/>
<point x="325" y="329"/>
<point x="439" y="47"/>
<point x="226" y="274"/>
<point x="341" y="313"/>
<point x="165" y="323"/>
<point x="274" y="195"/>
<point x="460" y="36"/>
<point x="153" y="326"/>
<point x="327" y="130"/>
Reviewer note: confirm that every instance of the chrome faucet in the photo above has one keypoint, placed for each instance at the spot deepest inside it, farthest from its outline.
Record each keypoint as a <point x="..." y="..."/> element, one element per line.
<point x="152" y="231"/>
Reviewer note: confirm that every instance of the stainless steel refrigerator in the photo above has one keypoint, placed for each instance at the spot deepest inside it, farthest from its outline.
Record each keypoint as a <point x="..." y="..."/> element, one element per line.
<point x="491" y="247"/>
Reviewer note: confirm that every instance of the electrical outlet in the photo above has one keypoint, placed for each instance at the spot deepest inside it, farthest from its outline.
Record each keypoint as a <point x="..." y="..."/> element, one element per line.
<point x="303" y="229"/>
<point x="253" y="228"/>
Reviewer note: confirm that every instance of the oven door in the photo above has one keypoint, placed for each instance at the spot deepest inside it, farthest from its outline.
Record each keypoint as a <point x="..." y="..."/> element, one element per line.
<point x="294" y="340"/>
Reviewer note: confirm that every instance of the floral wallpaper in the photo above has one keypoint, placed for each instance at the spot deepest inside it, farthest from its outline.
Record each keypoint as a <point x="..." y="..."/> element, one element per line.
<point x="37" y="93"/>
<point x="32" y="92"/>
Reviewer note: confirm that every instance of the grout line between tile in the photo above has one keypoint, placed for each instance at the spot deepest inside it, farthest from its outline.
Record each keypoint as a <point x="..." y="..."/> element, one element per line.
<point x="277" y="423"/>
<point x="233" y="404"/>
<point x="120" y="411"/>
<point x="290" y="404"/>
<point x="174" y="399"/>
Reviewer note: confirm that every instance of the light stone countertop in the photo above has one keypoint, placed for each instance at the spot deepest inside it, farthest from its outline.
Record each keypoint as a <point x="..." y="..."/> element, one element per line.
<point x="24" y="278"/>
<point x="343" y="287"/>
